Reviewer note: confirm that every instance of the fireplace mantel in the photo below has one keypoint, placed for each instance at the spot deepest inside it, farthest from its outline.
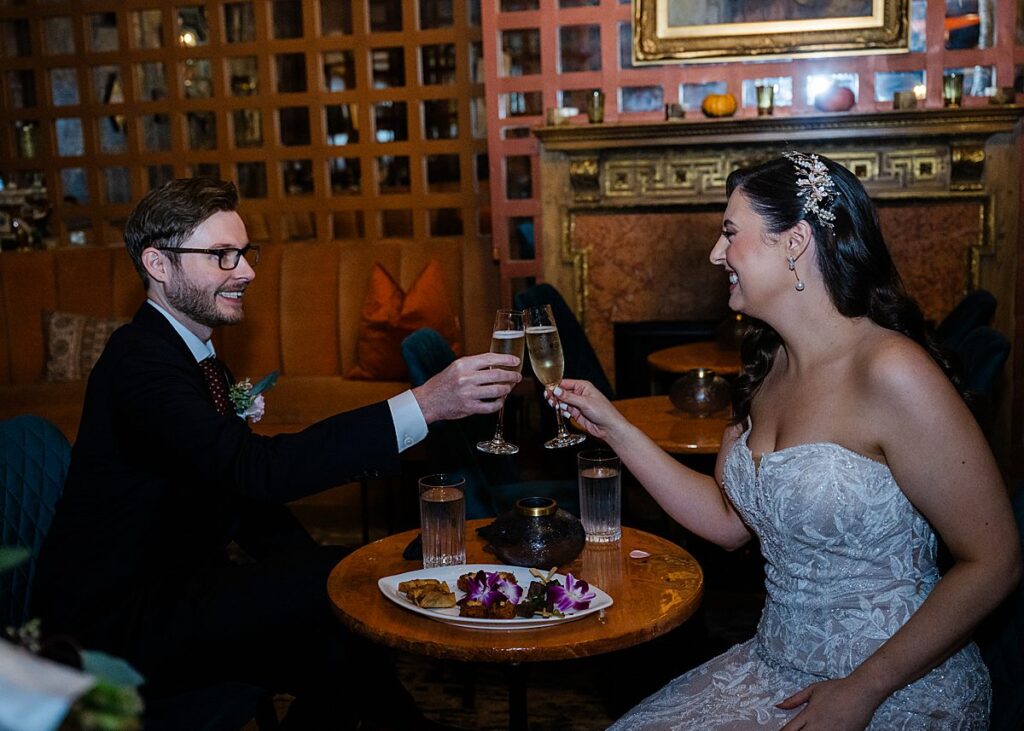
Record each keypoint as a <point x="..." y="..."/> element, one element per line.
<point x="909" y="124"/>
<point x="952" y="176"/>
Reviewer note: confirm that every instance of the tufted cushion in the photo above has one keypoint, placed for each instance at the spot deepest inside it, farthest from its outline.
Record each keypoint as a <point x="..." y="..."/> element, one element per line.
<point x="34" y="458"/>
<point x="74" y="343"/>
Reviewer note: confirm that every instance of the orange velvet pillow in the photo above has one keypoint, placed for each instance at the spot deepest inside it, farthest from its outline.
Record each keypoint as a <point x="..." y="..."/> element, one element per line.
<point x="389" y="315"/>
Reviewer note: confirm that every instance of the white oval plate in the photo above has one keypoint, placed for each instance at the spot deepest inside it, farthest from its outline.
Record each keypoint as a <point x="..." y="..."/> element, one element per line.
<point x="389" y="587"/>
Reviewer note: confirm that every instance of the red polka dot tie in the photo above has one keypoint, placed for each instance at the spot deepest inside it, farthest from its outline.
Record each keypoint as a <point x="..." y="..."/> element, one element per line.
<point x="217" y="381"/>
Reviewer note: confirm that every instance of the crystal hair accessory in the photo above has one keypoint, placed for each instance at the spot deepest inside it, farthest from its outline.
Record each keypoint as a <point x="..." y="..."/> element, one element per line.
<point x="817" y="189"/>
<point x="248" y="398"/>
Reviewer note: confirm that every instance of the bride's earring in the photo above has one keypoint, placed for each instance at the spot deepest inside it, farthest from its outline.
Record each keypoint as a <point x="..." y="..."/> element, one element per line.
<point x="791" y="261"/>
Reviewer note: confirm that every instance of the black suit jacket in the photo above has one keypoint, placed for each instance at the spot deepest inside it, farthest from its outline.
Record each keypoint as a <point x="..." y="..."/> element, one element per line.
<point x="158" y="480"/>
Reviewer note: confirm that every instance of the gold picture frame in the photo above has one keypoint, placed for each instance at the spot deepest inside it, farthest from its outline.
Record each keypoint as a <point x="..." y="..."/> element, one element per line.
<point x="718" y="30"/>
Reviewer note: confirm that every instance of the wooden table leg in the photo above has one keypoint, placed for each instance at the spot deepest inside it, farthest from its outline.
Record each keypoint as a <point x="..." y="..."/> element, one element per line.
<point x="364" y="503"/>
<point x="518" y="715"/>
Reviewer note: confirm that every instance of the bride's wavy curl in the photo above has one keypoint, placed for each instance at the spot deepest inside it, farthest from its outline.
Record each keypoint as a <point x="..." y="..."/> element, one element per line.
<point x="854" y="261"/>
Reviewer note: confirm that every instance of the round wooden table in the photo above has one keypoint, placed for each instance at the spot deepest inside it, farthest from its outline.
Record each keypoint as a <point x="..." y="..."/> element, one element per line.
<point x="703" y="354"/>
<point x="673" y="430"/>
<point x="651" y="596"/>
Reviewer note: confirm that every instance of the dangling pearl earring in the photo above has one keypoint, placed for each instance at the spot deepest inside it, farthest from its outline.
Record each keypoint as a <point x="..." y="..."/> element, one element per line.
<point x="791" y="261"/>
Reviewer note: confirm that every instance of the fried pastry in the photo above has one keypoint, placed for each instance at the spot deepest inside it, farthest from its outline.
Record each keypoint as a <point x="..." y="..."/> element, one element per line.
<point x="428" y="593"/>
<point x="501" y="610"/>
<point x="417" y="584"/>
<point x="436" y="598"/>
<point x="473" y="609"/>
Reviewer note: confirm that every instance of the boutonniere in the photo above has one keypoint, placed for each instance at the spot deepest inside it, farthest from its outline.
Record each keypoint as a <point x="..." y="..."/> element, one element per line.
<point x="248" y="398"/>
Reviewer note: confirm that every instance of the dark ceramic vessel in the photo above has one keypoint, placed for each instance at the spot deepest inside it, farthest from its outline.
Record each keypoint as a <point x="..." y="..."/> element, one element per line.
<point x="535" y="533"/>
<point x="699" y="392"/>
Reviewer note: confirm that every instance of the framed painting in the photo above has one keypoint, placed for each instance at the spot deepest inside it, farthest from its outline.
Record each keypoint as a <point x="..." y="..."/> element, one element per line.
<point x="719" y="30"/>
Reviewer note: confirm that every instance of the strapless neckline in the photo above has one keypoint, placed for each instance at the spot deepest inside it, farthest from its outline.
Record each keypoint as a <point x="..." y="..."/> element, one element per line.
<point x="848" y="560"/>
<point x="758" y="461"/>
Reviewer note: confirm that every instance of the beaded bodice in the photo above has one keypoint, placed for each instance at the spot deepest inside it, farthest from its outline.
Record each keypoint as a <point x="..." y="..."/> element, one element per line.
<point x="848" y="557"/>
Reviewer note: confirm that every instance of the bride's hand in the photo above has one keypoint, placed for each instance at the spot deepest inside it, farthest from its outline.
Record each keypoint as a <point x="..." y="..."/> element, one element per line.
<point x="587" y="406"/>
<point x="831" y="705"/>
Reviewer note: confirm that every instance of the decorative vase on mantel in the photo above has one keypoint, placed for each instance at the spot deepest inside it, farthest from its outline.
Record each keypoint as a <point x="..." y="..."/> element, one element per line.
<point x="700" y="392"/>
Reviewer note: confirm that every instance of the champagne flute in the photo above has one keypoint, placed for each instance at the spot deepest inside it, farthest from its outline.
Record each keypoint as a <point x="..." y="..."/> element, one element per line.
<point x="548" y="364"/>
<point x="507" y="337"/>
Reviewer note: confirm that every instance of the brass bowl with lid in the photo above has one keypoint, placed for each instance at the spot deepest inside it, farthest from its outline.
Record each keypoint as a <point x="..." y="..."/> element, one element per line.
<point x="535" y="533"/>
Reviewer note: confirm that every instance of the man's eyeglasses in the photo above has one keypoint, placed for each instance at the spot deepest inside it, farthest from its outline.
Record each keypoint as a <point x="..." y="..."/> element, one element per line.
<point x="227" y="257"/>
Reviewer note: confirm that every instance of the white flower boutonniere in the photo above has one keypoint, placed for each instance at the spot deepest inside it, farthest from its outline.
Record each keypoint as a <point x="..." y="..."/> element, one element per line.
<point x="248" y="398"/>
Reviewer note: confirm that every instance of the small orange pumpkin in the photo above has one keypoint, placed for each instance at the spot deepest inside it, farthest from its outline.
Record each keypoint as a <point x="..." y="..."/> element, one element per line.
<point x="835" y="99"/>
<point x="719" y="105"/>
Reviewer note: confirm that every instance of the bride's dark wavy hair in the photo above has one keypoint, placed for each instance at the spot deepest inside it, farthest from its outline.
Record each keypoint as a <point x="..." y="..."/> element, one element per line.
<point x="854" y="261"/>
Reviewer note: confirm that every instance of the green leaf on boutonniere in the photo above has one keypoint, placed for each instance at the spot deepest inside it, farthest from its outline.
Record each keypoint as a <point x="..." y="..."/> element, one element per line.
<point x="267" y="382"/>
<point x="114" y="670"/>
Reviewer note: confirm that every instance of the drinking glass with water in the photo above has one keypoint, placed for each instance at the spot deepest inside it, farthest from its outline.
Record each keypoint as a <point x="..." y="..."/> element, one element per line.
<point x="443" y="520"/>
<point x="600" y="477"/>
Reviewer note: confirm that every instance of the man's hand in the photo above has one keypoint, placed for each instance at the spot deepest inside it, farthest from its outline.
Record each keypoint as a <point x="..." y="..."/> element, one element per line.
<point x="471" y="385"/>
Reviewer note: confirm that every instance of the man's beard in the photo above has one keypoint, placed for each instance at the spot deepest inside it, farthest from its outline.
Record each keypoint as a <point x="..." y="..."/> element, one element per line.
<point x="197" y="304"/>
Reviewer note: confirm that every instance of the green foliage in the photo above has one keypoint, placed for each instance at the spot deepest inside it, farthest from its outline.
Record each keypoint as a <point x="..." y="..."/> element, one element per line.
<point x="112" y="704"/>
<point x="106" y="707"/>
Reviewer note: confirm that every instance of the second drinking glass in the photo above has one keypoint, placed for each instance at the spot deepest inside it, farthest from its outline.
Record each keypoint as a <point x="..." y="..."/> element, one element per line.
<point x="548" y="364"/>
<point x="507" y="337"/>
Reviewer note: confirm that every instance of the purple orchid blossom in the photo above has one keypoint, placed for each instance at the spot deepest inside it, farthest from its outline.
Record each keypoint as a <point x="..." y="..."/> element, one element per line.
<point x="507" y="589"/>
<point x="575" y="595"/>
<point x="488" y="588"/>
<point x="478" y="591"/>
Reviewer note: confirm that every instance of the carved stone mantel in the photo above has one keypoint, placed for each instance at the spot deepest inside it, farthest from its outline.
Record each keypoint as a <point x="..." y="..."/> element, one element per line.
<point x="815" y="128"/>
<point x="970" y="155"/>
<point x="686" y="162"/>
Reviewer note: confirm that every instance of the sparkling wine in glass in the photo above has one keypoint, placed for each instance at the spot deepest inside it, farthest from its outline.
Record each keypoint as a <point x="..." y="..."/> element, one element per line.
<point x="509" y="338"/>
<point x="548" y="364"/>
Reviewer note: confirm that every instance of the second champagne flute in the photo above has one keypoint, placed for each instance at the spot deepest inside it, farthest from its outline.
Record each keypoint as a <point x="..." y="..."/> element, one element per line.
<point x="548" y="364"/>
<point x="508" y="338"/>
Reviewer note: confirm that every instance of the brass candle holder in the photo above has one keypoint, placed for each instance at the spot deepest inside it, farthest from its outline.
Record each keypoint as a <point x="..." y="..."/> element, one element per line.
<point x="595" y="107"/>
<point x="952" y="90"/>
<point x="765" y="99"/>
<point x="904" y="100"/>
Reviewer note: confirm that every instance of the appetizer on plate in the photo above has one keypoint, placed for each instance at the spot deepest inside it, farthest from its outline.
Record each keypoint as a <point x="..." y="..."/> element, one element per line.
<point x="428" y="593"/>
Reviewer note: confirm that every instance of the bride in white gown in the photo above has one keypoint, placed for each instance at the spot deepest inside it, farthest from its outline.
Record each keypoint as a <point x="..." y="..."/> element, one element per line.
<point x="851" y="449"/>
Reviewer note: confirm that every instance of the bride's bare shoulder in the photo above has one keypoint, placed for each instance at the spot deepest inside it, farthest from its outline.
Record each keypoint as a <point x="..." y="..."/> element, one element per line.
<point x="895" y="367"/>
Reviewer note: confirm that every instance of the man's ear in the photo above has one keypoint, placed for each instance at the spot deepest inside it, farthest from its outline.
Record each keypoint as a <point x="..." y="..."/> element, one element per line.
<point x="798" y="239"/>
<point x="155" y="264"/>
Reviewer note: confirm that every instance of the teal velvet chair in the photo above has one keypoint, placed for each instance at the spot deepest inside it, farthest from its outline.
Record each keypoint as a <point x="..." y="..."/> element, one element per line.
<point x="1001" y="638"/>
<point x="976" y="309"/>
<point x="981" y="355"/>
<point x="34" y="457"/>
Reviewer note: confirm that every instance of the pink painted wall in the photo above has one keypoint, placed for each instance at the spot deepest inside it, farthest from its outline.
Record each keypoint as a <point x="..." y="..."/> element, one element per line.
<point x="544" y="83"/>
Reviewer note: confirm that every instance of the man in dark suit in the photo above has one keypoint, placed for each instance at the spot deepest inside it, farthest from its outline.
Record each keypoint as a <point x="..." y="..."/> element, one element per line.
<point x="164" y="476"/>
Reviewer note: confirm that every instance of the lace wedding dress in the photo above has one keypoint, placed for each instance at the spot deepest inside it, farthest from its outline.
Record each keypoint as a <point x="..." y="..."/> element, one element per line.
<point x="848" y="560"/>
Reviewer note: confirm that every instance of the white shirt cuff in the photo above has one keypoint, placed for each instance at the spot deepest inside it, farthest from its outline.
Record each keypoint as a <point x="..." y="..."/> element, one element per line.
<point x="410" y="426"/>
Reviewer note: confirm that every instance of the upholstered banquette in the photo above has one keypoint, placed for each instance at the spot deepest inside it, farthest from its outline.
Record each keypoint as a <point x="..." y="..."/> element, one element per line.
<point x="303" y="314"/>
